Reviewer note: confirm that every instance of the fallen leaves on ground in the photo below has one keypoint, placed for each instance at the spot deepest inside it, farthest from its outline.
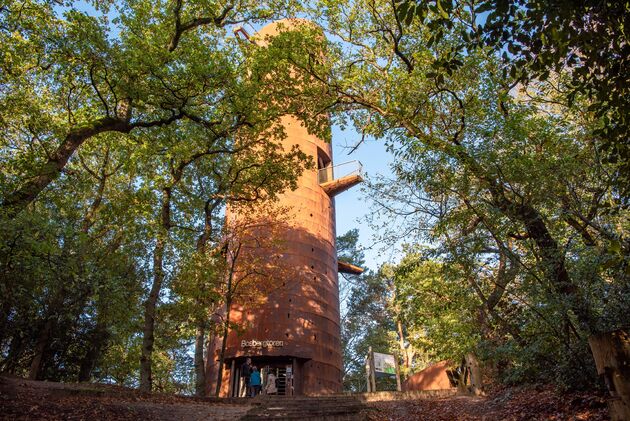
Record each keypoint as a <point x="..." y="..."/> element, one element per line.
<point x="22" y="399"/>
<point x="509" y="404"/>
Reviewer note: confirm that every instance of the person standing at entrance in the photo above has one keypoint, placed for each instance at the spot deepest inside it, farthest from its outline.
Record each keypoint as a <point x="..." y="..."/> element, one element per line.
<point x="270" y="384"/>
<point x="246" y="372"/>
<point x="255" y="381"/>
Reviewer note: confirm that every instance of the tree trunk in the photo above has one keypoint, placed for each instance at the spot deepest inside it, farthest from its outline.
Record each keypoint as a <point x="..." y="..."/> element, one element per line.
<point x="611" y="351"/>
<point x="200" y="373"/>
<point x="211" y="364"/>
<point x="551" y="255"/>
<point x="201" y="376"/>
<point x="99" y="335"/>
<point x="17" y="201"/>
<point x="401" y="344"/>
<point x="40" y="349"/>
<point x="158" y="269"/>
<point x="213" y="350"/>
<point x="88" y="219"/>
<point x="146" y="381"/>
<point x="462" y="377"/>
<point x="226" y="327"/>
<point x="10" y="363"/>
<point x="55" y="305"/>
<point x="98" y="339"/>
<point x="476" y="380"/>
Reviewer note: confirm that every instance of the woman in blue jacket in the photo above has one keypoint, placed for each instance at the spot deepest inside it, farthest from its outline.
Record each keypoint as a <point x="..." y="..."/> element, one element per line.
<point x="255" y="381"/>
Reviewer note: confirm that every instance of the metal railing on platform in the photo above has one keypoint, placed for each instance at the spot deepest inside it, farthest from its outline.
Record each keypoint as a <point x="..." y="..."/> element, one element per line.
<point x="345" y="169"/>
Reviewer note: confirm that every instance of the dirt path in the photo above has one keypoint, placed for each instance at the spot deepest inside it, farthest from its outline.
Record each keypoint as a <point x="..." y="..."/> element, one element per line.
<point x="22" y="399"/>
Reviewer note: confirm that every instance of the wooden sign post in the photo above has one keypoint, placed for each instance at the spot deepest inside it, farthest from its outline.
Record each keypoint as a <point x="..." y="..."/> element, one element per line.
<point x="387" y="365"/>
<point x="372" y="370"/>
<point x="367" y="373"/>
<point x="398" y="385"/>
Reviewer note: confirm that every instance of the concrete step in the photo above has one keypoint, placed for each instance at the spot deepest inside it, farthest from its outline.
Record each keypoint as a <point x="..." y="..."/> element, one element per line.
<point x="329" y="408"/>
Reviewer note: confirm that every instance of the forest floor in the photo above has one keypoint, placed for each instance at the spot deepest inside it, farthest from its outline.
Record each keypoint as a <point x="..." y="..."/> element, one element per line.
<point x="22" y="399"/>
<point x="509" y="404"/>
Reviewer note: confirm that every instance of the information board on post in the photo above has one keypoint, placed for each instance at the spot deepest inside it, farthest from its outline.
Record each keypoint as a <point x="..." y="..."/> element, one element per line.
<point x="384" y="363"/>
<point x="380" y="365"/>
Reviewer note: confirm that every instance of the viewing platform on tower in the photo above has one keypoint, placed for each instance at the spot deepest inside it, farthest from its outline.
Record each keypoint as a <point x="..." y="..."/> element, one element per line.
<point x="352" y="175"/>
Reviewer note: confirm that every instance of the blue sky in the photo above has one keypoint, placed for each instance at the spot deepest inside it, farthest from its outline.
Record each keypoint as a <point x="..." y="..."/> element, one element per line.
<point x="353" y="205"/>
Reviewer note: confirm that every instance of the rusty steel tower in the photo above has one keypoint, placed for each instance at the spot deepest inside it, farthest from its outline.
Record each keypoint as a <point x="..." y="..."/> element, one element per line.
<point x="295" y="332"/>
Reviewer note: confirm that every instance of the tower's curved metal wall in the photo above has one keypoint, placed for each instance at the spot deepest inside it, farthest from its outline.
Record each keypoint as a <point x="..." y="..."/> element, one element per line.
<point x="302" y="312"/>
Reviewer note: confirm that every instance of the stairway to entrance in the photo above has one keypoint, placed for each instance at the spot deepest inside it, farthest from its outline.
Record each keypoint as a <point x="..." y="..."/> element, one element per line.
<point x="329" y="408"/>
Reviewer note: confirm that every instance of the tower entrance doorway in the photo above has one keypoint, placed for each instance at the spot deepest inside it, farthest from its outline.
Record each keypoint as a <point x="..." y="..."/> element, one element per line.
<point x="281" y="378"/>
<point x="284" y="372"/>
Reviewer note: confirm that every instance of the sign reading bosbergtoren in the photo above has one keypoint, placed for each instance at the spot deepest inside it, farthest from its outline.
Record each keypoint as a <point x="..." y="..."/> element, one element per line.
<point x="254" y="343"/>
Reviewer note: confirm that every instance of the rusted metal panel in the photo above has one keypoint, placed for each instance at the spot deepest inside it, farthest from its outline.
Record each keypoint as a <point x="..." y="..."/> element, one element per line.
<point x="302" y="311"/>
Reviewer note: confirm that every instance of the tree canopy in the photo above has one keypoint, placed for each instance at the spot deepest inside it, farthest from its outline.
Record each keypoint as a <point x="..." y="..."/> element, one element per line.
<point x="501" y="172"/>
<point x="129" y="126"/>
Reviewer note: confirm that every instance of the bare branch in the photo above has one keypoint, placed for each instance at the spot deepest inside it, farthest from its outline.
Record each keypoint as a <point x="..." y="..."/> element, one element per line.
<point x="181" y="28"/>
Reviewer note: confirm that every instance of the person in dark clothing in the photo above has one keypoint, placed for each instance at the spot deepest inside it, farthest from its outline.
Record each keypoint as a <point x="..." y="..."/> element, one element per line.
<point x="246" y="372"/>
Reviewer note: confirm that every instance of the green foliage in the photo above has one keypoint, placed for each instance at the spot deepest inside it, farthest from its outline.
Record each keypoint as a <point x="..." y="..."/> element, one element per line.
<point x="367" y="322"/>
<point x="127" y="125"/>
<point x="439" y="311"/>
<point x="367" y="316"/>
<point x="501" y="175"/>
<point x="586" y="39"/>
<point x="89" y="291"/>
